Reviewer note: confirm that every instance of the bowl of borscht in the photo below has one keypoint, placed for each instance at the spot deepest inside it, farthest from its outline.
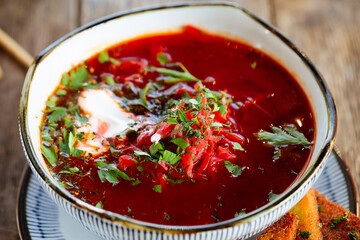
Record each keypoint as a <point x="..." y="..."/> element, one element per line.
<point x="180" y="121"/>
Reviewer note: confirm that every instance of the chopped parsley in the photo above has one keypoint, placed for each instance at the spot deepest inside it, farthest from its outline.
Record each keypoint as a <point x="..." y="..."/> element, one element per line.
<point x="280" y="137"/>
<point x="104" y="57"/>
<point x="338" y="220"/>
<point x="157" y="188"/>
<point x="305" y="234"/>
<point x="234" y="169"/>
<point x="49" y="153"/>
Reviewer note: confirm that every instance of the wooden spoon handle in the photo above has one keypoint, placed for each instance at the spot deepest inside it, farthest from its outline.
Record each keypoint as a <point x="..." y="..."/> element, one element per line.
<point x="10" y="45"/>
<point x="1" y="72"/>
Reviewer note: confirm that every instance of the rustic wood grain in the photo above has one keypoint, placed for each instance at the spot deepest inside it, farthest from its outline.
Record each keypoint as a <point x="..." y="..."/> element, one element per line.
<point x="329" y="33"/>
<point x="327" y="30"/>
<point x="34" y="24"/>
<point x="93" y="9"/>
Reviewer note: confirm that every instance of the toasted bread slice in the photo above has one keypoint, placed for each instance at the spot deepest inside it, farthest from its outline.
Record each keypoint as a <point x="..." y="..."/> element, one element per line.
<point x="284" y="229"/>
<point x="308" y="214"/>
<point x="337" y="222"/>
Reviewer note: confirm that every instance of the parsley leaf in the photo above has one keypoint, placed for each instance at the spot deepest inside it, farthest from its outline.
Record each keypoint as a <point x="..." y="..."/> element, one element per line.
<point x="157" y="188"/>
<point x="104" y="57"/>
<point x="273" y="196"/>
<point x="237" y="146"/>
<point x="57" y="113"/>
<point x="280" y="137"/>
<point x="45" y="135"/>
<point x="141" y="153"/>
<point x="170" y="157"/>
<point x="175" y="181"/>
<point x="242" y="213"/>
<point x="142" y="101"/>
<point x="180" y="142"/>
<point x="111" y="173"/>
<point x="78" y="77"/>
<point x="163" y="58"/>
<point x="305" y="234"/>
<point x="174" y="75"/>
<point x="338" y="220"/>
<point x="49" y="153"/>
<point x="99" y="205"/>
<point x="155" y="147"/>
<point x="61" y="92"/>
<point x="234" y="169"/>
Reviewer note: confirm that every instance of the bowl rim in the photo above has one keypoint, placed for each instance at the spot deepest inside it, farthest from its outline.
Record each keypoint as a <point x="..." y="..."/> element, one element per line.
<point x="137" y="224"/>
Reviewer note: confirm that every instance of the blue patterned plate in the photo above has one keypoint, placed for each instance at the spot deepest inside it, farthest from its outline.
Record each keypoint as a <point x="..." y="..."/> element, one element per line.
<point x="39" y="217"/>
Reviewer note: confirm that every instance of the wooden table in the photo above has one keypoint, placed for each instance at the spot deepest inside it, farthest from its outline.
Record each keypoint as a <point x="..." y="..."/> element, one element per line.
<point x="328" y="31"/>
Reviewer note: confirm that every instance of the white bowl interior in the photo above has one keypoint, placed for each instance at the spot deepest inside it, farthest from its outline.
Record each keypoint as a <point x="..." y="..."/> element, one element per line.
<point x="223" y="20"/>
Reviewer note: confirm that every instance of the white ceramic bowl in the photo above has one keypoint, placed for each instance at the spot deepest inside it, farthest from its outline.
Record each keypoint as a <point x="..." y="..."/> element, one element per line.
<point x="221" y="18"/>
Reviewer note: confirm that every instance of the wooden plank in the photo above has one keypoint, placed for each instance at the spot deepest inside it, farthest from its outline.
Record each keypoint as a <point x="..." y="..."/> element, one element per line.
<point x="34" y="24"/>
<point x="93" y="9"/>
<point x="328" y="32"/>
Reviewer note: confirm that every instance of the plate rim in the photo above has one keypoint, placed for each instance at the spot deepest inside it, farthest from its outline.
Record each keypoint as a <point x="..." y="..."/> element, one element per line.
<point x="22" y="223"/>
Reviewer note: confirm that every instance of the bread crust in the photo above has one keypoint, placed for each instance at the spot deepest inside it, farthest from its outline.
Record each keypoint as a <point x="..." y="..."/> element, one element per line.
<point x="329" y="211"/>
<point x="284" y="229"/>
<point x="308" y="214"/>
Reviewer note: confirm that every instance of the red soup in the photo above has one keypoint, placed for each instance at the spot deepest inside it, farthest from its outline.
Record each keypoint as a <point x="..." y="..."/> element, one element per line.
<point x="184" y="128"/>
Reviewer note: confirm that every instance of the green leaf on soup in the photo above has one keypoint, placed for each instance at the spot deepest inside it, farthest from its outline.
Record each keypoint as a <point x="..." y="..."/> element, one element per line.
<point x="170" y="157"/>
<point x="99" y="205"/>
<point x="57" y="113"/>
<point x="104" y="57"/>
<point x="109" y="80"/>
<point x="234" y="169"/>
<point x="142" y="100"/>
<point x="280" y="137"/>
<point x="157" y="188"/>
<point x="155" y="147"/>
<point x="49" y="153"/>
<point x="61" y="92"/>
<point x="163" y="58"/>
<point x="45" y="136"/>
<point x="273" y="196"/>
<point x="78" y="77"/>
<point x="180" y="142"/>
<point x="51" y="102"/>
<point x="237" y="146"/>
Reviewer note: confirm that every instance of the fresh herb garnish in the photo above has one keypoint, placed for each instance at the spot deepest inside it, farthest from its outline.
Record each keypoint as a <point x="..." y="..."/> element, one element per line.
<point x="280" y="137"/>
<point x="61" y="92"/>
<point x="163" y="58"/>
<point x="77" y="78"/>
<point x="273" y="196"/>
<point x="234" y="169"/>
<point x="170" y="157"/>
<point x="142" y="100"/>
<point x="104" y="57"/>
<point x="157" y="188"/>
<point x="305" y="234"/>
<point x="238" y="214"/>
<point x="111" y="173"/>
<point x="49" y="153"/>
<point x="175" y="181"/>
<point x="57" y="113"/>
<point x="99" y="205"/>
<point x="338" y="220"/>
<point x="180" y="142"/>
<point x="237" y="146"/>
<point x="354" y="235"/>
<point x="155" y="147"/>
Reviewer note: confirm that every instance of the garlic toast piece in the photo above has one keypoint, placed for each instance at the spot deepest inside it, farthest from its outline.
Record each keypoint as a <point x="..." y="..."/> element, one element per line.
<point x="284" y="229"/>
<point x="309" y="221"/>
<point x="337" y="222"/>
